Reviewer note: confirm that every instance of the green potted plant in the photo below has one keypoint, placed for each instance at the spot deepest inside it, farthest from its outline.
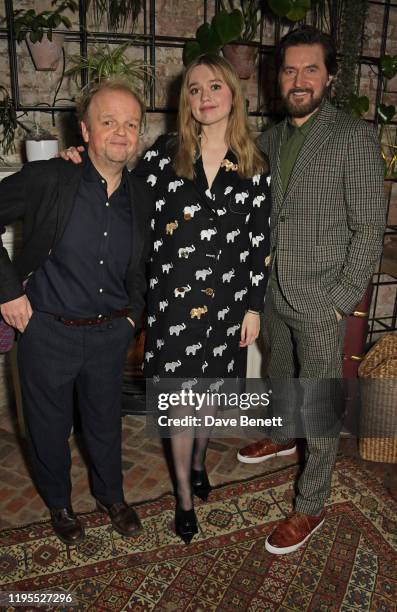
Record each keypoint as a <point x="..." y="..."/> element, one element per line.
<point x="44" y="46"/>
<point x="10" y="124"/>
<point x="118" y="12"/>
<point x="211" y="38"/>
<point x="293" y="10"/>
<point x="242" y="56"/>
<point x="105" y="61"/>
<point x="39" y="143"/>
<point x="385" y="113"/>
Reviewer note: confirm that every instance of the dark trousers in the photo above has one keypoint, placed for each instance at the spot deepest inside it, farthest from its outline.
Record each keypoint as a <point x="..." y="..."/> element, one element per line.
<point x="55" y="363"/>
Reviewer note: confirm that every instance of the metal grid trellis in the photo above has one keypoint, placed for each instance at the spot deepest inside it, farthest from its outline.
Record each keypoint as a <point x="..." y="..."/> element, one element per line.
<point x="152" y="42"/>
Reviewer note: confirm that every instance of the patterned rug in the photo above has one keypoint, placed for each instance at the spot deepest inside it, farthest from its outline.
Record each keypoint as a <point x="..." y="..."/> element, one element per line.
<point x="350" y="565"/>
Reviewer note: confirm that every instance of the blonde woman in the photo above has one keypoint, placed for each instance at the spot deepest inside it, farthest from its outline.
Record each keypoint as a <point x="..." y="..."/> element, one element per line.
<point x="208" y="274"/>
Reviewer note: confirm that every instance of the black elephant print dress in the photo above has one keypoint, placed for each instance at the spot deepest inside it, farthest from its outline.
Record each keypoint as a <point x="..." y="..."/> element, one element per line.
<point x="209" y="264"/>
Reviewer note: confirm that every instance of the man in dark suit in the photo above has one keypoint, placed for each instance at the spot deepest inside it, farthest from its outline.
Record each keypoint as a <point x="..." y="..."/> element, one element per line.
<point x="75" y="294"/>
<point x="327" y="226"/>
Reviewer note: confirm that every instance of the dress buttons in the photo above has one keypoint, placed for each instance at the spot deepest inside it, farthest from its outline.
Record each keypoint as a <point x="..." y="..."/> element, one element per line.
<point x="107" y="204"/>
<point x="100" y="290"/>
<point x="105" y="233"/>
<point x="101" y="262"/>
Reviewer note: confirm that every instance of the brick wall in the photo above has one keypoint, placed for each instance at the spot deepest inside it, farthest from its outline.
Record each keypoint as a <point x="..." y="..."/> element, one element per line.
<point x="176" y="18"/>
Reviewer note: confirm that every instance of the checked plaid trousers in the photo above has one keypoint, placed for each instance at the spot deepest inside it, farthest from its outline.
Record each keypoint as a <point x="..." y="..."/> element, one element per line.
<point x="305" y="370"/>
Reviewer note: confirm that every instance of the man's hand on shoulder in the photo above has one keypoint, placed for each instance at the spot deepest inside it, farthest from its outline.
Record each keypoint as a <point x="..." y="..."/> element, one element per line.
<point x="72" y="154"/>
<point x="17" y="312"/>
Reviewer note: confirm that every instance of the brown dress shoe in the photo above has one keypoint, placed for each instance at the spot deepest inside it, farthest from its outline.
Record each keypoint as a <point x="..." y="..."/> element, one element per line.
<point x="293" y="532"/>
<point x="67" y="526"/>
<point x="124" y="518"/>
<point x="263" y="450"/>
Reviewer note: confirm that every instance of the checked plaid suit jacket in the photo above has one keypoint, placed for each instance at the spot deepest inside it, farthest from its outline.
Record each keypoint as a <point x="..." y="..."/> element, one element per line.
<point x="327" y="228"/>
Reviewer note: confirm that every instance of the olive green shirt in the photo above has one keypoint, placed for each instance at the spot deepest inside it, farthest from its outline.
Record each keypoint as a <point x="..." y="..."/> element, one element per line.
<point x="291" y="146"/>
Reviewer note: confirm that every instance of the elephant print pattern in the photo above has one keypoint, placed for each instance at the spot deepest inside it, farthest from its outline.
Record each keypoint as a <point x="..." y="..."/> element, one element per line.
<point x="207" y="266"/>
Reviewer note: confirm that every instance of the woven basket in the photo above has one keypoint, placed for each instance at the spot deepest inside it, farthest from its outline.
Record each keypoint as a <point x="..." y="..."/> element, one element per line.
<point x="378" y="418"/>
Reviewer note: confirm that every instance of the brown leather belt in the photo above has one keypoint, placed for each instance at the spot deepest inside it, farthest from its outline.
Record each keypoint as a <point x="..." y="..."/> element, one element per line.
<point x="97" y="321"/>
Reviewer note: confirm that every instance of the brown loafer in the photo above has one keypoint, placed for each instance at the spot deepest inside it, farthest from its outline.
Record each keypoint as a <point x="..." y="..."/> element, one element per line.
<point x="263" y="450"/>
<point x="67" y="526"/>
<point x="124" y="518"/>
<point x="293" y="532"/>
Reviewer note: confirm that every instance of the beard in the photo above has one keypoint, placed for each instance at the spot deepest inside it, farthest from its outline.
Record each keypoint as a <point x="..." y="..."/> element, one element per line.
<point x="296" y="108"/>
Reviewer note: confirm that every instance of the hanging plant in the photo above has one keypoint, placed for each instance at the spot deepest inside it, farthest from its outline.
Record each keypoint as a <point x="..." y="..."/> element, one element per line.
<point x="251" y="12"/>
<point x="388" y="66"/>
<point x="210" y="38"/>
<point x="29" y="25"/>
<point x="359" y="105"/>
<point x="385" y="113"/>
<point x="243" y="57"/>
<point x="353" y="22"/>
<point x="118" y="12"/>
<point x="36" y="29"/>
<point x="104" y="62"/>
<point x="294" y="10"/>
<point x="9" y="123"/>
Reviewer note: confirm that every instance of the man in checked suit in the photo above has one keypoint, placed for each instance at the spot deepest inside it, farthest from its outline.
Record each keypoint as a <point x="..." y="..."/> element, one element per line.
<point x="83" y="257"/>
<point x="327" y="227"/>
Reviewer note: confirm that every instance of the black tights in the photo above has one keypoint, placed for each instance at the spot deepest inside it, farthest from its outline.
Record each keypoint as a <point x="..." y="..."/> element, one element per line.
<point x="189" y="448"/>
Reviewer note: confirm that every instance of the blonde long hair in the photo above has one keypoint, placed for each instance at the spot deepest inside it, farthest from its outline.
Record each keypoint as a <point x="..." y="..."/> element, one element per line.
<point x="238" y="138"/>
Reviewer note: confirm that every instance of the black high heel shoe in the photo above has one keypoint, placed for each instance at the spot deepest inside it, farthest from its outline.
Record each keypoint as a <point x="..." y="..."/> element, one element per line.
<point x="200" y="484"/>
<point x="185" y="523"/>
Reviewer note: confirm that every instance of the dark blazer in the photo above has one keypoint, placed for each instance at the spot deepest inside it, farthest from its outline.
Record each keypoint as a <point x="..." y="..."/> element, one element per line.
<point x="327" y="228"/>
<point x="42" y="195"/>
